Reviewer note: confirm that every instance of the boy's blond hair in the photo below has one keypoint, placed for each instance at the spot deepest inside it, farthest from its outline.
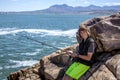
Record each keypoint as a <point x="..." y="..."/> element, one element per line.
<point x="83" y="28"/>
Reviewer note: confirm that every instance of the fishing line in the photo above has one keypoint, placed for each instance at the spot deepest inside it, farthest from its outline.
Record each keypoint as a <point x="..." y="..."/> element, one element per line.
<point x="29" y="38"/>
<point x="42" y="43"/>
<point x="22" y="42"/>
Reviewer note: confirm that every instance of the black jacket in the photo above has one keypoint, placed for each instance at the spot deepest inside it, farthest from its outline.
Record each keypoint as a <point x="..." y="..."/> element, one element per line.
<point x="84" y="48"/>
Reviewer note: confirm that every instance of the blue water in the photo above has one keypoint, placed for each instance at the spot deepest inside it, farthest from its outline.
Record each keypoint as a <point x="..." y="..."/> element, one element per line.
<point x="17" y="52"/>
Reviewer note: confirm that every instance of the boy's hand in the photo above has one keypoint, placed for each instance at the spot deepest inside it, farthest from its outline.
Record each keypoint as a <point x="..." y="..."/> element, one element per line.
<point x="71" y="54"/>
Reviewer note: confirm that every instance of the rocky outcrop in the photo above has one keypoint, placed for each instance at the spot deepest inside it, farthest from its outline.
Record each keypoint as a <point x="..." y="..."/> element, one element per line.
<point x="56" y="64"/>
<point x="106" y="32"/>
<point x="102" y="73"/>
<point x="25" y="74"/>
<point x="54" y="67"/>
<point x="114" y="65"/>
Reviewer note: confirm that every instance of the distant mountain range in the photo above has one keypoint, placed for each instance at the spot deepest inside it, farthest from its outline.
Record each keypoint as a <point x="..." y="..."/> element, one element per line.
<point x="65" y="9"/>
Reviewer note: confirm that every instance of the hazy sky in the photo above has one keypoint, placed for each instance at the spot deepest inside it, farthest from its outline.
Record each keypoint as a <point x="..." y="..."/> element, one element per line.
<point x="29" y="5"/>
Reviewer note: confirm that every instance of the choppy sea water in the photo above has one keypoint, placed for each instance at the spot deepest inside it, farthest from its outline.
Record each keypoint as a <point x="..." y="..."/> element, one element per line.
<point x="17" y="51"/>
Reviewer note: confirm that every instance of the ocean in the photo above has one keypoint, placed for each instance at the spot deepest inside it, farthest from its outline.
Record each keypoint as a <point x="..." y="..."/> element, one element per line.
<point x="17" y="51"/>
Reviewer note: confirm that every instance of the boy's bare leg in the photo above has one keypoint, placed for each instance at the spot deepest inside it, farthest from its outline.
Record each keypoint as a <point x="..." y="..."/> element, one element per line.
<point x="67" y="77"/>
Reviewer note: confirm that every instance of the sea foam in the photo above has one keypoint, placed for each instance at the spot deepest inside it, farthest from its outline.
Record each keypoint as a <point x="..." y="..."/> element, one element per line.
<point x="1" y="68"/>
<point x="43" y="32"/>
<point x="21" y="63"/>
<point x="37" y="51"/>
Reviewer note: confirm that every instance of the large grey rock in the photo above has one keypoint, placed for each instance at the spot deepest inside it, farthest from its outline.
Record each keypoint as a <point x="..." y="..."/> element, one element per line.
<point x="56" y="63"/>
<point x="105" y="31"/>
<point x="114" y="65"/>
<point x="102" y="74"/>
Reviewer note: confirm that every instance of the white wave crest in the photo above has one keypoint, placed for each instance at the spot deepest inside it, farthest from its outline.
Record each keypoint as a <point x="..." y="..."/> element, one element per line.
<point x="37" y="51"/>
<point x="43" y="32"/>
<point x="1" y="68"/>
<point x="21" y="63"/>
